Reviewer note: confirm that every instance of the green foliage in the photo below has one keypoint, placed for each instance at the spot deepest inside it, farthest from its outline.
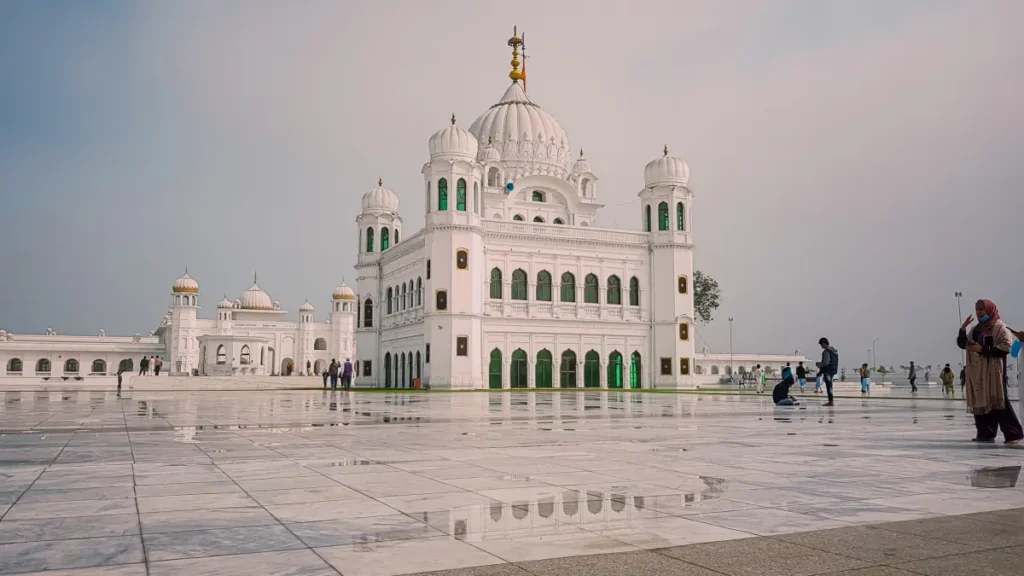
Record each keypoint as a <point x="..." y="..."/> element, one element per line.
<point x="706" y="296"/>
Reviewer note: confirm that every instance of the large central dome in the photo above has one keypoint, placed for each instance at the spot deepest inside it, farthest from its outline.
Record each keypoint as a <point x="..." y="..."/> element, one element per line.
<point x="529" y="139"/>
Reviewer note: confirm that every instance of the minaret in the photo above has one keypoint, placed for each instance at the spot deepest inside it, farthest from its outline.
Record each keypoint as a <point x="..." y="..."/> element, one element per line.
<point x="182" y="346"/>
<point x="665" y="211"/>
<point x="376" y="222"/>
<point x="306" y="335"/>
<point x="343" y="319"/>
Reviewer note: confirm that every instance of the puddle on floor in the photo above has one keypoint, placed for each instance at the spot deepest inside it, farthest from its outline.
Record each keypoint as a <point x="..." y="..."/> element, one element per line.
<point x="1001" y="477"/>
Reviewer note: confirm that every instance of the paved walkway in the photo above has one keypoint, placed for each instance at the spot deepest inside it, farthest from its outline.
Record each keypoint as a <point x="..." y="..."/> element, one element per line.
<point x="309" y="483"/>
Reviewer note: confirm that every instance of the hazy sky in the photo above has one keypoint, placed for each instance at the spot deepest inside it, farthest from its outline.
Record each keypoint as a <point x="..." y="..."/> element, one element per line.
<point x="855" y="162"/>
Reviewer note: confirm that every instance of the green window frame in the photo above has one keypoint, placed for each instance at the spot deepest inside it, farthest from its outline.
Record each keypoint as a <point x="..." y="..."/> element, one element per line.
<point x="442" y="194"/>
<point x="634" y="291"/>
<point x="518" y="369"/>
<point x="567" y="370"/>
<point x="518" y="217"/>
<point x="494" y="370"/>
<point x="385" y="240"/>
<point x="568" y="290"/>
<point x="496" y="284"/>
<point x="614" y="290"/>
<point x="680" y="216"/>
<point x="615" y="370"/>
<point x="519" y="285"/>
<point x="592" y="370"/>
<point x="663" y="216"/>
<point x="369" y="239"/>
<point x="544" y="286"/>
<point x="634" y="370"/>
<point x="542" y="372"/>
<point x="460" y="195"/>
<point x="590" y="289"/>
<point x="538" y="196"/>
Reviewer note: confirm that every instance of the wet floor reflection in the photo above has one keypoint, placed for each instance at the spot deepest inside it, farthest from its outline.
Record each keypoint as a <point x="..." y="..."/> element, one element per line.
<point x="1001" y="477"/>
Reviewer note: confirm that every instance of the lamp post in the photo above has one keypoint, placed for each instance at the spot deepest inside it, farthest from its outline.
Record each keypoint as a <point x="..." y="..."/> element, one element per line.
<point x="731" y="376"/>
<point x="874" y="359"/>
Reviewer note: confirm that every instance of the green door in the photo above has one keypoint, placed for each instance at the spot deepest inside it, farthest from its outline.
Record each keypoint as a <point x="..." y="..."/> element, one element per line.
<point x="615" y="370"/>
<point x="518" y="369"/>
<point x="634" y="370"/>
<point x="567" y="375"/>
<point x="592" y="370"/>
<point x="543" y="370"/>
<point x="494" y="376"/>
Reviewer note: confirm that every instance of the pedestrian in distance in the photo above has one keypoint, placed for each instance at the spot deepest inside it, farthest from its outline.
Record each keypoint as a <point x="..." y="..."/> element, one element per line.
<point x="143" y="366"/>
<point x="119" y="372"/>
<point x="346" y="374"/>
<point x="325" y="374"/>
<point x="801" y="375"/>
<point x="828" y="367"/>
<point x="988" y="344"/>
<point x="333" y="370"/>
<point x="947" y="376"/>
<point x="865" y="378"/>
<point x="913" y="377"/>
<point x="157" y="365"/>
<point x="963" y="381"/>
<point x="780" y="394"/>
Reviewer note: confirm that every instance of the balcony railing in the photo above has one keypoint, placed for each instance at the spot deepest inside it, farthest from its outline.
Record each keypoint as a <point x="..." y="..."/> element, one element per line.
<point x="560" y="310"/>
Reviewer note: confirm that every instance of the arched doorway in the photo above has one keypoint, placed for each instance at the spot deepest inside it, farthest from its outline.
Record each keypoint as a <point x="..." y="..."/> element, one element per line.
<point x="319" y="366"/>
<point x="567" y="370"/>
<point x="518" y="369"/>
<point x="494" y="370"/>
<point x="418" y="375"/>
<point x="401" y="383"/>
<point x="287" y="366"/>
<point x="615" y="370"/>
<point x="634" y="370"/>
<point x="542" y="378"/>
<point x="387" y="369"/>
<point x="592" y="370"/>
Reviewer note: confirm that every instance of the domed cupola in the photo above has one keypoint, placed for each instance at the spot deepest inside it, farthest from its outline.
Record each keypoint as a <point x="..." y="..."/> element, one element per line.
<point x="666" y="170"/>
<point x="255" y="298"/>
<point x="306" y="307"/>
<point x="343" y="292"/>
<point x="225" y="304"/>
<point x="581" y="166"/>
<point x="490" y="153"/>
<point x="185" y="285"/>
<point x="380" y="199"/>
<point x="453" y="142"/>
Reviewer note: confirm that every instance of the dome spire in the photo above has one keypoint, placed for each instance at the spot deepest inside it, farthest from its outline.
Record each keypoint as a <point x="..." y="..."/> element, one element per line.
<point x="515" y="42"/>
<point x="453" y="118"/>
<point x="380" y="181"/>
<point x="665" y="151"/>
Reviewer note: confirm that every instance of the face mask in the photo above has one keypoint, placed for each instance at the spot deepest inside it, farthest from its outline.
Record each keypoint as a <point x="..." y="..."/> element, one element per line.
<point x="983" y="318"/>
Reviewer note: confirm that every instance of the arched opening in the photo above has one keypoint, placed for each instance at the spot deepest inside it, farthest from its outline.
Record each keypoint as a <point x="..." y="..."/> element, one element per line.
<point x="43" y="365"/>
<point x="647" y="219"/>
<point x="419" y="291"/>
<point x="614" y="290"/>
<point x="634" y="291"/>
<point x="590" y="289"/>
<point x="442" y="194"/>
<point x="405" y="296"/>
<point x="98" y="367"/>
<point x="369" y="239"/>
<point x="262" y="350"/>
<point x="544" y="286"/>
<point x="518" y="369"/>
<point x="222" y="356"/>
<point x="243" y="357"/>
<point x="663" y="216"/>
<point x="318" y="344"/>
<point x="319" y="366"/>
<point x="368" y="313"/>
<point x="401" y="382"/>
<point x="634" y="370"/>
<point x="585" y="187"/>
<point x="615" y="370"/>
<point x="385" y="239"/>
<point x="558" y="221"/>
<point x="494" y="370"/>
<point x="390" y="298"/>
<point x="270" y="358"/>
<point x="592" y="370"/>
<point x="567" y="370"/>
<point x="493" y="177"/>
<point x="568" y="290"/>
<point x="714" y="370"/>
<point x="538" y="219"/>
<point x="537" y="196"/>
<point x="680" y="216"/>
<point x="495" y="284"/>
<point x="71" y="366"/>
<point x="14" y="365"/>
<point x="460" y="195"/>
<point x="287" y="366"/>
<point x="518" y="217"/>
<point x="397" y="232"/>
<point x="387" y="369"/>
<point x="125" y="365"/>
<point x="418" y="366"/>
<point x="542" y="372"/>
<point x="519" y="285"/>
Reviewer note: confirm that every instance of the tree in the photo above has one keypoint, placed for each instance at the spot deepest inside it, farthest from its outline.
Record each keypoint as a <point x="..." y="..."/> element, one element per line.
<point x="882" y="370"/>
<point x="706" y="295"/>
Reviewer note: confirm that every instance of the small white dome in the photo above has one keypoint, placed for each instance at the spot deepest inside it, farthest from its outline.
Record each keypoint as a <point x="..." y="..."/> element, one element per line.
<point x="343" y="292"/>
<point x="185" y="285"/>
<point x="581" y="166"/>
<point x="225" y="303"/>
<point x="453" y="141"/>
<point x="306" y="307"/>
<point x="255" y="299"/>
<point x="380" y="198"/>
<point x="666" y="170"/>
<point x="490" y="153"/>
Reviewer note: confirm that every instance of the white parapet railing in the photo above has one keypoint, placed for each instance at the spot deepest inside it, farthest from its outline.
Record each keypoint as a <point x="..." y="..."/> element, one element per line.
<point x="556" y="231"/>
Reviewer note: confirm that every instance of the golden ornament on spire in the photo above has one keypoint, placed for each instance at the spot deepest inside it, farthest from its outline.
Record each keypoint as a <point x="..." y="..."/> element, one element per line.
<point x="515" y="42"/>
<point x="380" y="181"/>
<point x="453" y="119"/>
<point x="581" y="152"/>
<point x="666" y="150"/>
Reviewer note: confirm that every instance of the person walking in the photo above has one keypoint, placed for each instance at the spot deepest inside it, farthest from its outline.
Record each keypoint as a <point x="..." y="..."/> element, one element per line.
<point x="157" y="365"/>
<point x="143" y="366"/>
<point x="757" y="378"/>
<point x="828" y="367"/>
<point x="865" y="378"/>
<point x="987" y="346"/>
<point x="346" y="374"/>
<point x="963" y="381"/>
<point x="120" y="370"/>
<point x="913" y="377"/>
<point x="325" y="374"/>
<point x="333" y="370"/>
<point x="947" y="380"/>
<point x="801" y="375"/>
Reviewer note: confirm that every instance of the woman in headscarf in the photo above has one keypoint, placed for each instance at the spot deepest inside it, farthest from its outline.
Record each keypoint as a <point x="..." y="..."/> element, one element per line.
<point x="987" y="347"/>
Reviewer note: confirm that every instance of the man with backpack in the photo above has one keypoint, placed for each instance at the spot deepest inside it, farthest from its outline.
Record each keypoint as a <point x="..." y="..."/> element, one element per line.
<point x="828" y="367"/>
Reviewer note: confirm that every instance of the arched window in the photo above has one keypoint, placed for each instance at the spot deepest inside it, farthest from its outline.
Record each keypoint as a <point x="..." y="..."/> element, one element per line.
<point x="590" y="289"/>
<point x="126" y="365"/>
<point x="592" y="370"/>
<point x="496" y="284"/>
<point x="460" y="195"/>
<point x="714" y="370"/>
<point x="442" y="194"/>
<point x="244" y="359"/>
<point x="663" y="216"/>
<point x="634" y="291"/>
<point x="494" y="370"/>
<point x="222" y="356"/>
<point x="544" y="286"/>
<point x="585" y="187"/>
<point x="14" y="365"/>
<point x="419" y="291"/>
<point x="71" y="366"/>
<point x="518" y="217"/>
<point x="567" y="370"/>
<point x="369" y="239"/>
<point x="680" y="216"/>
<point x="537" y="196"/>
<point x="647" y="221"/>
<point x="387" y="369"/>
<point x="615" y="370"/>
<point x="542" y="372"/>
<point x="368" y="313"/>
<point x="402" y="382"/>
<point x="568" y="287"/>
<point x="614" y="290"/>
<point x="493" y="177"/>
<point x="42" y="365"/>
<point x="390" y="298"/>
<point x="418" y="365"/>
<point x="385" y="239"/>
<point x="318" y="344"/>
<point x="538" y="219"/>
<point x="519" y="285"/>
<point x="634" y="370"/>
<point x="98" y="367"/>
<point x="518" y="369"/>
<point x="404" y="296"/>
<point x="558" y="221"/>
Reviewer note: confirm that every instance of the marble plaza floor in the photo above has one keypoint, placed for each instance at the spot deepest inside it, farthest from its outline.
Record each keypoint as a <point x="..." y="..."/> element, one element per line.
<point x="324" y="483"/>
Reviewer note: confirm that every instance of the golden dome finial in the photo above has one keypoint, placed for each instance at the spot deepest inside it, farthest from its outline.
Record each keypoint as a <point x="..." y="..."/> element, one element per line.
<point x="380" y="181"/>
<point x="581" y="152"/>
<point x="666" y="150"/>
<point x="515" y="42"/>
<point x="453" y="118"/>
<point x="490" y="139"/>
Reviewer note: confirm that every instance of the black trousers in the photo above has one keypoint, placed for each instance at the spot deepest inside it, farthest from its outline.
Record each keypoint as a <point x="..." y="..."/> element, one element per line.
<point x="988" y="425"/>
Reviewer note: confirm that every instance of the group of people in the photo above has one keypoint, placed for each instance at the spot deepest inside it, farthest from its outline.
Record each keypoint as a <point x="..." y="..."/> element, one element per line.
<point x="828" y="367"/>
<point x="154" y="362"/>
<point x="336" y="369"/>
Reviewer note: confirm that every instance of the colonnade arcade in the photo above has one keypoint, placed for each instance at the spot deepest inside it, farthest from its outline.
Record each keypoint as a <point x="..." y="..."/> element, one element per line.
<point x="568" y="370"/>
